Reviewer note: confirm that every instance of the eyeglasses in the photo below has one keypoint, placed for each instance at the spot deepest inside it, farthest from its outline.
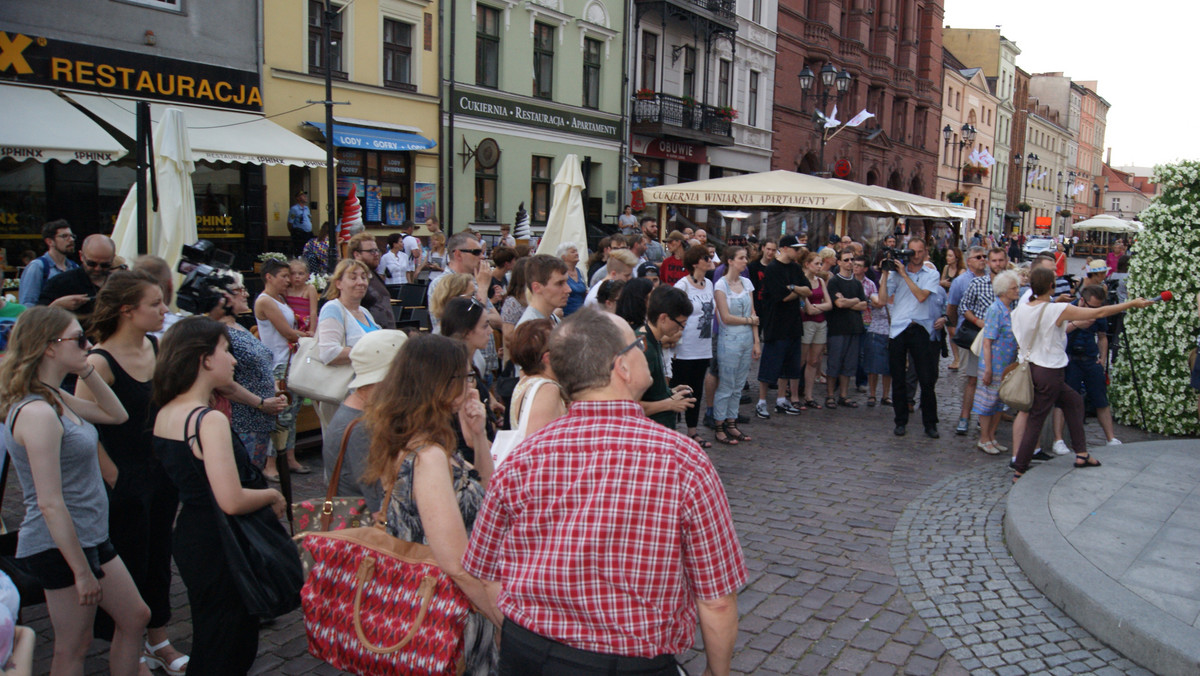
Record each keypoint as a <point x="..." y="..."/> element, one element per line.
<point x="475" y="302"/>
<point x="375" y="250"/>
<point x="473" y="252"/>
<point x="681" y="325"/>
<point x="470" y="378"/>
<point x="238" y="289"/>
<point x="80" y="340"/>
<point x="639" y="342"/>
<point x="65" y="235"/>
<point x="978" y="257"/>
<point x="97" y="264"/>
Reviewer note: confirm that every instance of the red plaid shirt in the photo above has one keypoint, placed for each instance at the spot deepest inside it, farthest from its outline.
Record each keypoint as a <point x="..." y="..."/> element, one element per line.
<point x="604" y="528"/>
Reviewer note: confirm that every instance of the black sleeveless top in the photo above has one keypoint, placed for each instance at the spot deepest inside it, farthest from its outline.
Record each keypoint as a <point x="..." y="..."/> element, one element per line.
<point x="130" y="444"/>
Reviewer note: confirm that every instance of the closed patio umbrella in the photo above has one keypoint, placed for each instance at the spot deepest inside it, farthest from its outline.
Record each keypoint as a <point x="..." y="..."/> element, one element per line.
<point x="566" y="222"/>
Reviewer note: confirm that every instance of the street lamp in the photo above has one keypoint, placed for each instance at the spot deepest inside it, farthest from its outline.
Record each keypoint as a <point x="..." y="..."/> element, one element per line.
<point x="1031" y="161"/>
<point x="1066" y="191"/>
<point x="967" y="137"/>
<point x="834" y="83"/>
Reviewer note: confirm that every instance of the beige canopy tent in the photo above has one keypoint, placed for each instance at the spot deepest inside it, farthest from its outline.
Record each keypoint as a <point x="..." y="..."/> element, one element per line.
<point x="788" y="189"/>
<point x="1105" y="223"/>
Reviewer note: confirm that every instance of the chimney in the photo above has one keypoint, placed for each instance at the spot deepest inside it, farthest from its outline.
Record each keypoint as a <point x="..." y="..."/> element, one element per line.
<point x="1108" y="157"/>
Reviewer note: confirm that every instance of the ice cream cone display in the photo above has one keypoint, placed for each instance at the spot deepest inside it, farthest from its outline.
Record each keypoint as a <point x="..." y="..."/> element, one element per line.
<point x="352" y="222"/>
<point x="522" y="233"/>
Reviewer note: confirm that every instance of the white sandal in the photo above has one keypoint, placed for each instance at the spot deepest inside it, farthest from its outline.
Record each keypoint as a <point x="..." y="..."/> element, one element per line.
<point x="176" y="668"/>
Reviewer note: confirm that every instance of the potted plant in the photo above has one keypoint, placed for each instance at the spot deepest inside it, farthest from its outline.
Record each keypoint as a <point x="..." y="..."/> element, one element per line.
<point x="1024" y="207"/>
<point x="1066" y="213"/>
<point x="688" y="102"/>
<point x="727" y="113"/>
<point x="645" y="94"/>
<point x="956" y="197"/>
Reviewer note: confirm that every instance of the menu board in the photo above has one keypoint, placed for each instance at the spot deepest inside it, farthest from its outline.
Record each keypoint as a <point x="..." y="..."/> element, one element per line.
<point x="373" y="205"/>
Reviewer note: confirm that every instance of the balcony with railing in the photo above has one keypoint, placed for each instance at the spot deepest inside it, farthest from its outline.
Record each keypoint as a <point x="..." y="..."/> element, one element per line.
<point x="723" y="12"/>
<point x="661" y="114"/>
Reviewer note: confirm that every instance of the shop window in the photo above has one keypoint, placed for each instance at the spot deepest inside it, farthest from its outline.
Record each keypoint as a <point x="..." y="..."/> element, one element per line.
<point x="648" y="175"/>
<point x="485" y="192"/>
<point x="689" y="72"/>
<point x="487" y="46"/>
<point x="397" y="55"/>
<point x="591" y="73"/>
<point x="723" y="82"/>
<point x="543" y="61"/>
<point x="320" y="55"/>
<point x="752" y="100"/>
<point x="649" y="61"/>
<point x="383" y="184"/>
<point x="539" y="199"/>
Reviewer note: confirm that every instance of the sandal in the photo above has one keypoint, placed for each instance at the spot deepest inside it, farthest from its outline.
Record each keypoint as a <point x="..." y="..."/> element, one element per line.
<point x="811" y="404"/>
<point x="842" y="401"/>
<point x="697" y="438"/>
<point x="830" y="403"/>
<point x="1017" y="475"/>
<point x="722" y="435"/>
<point x="1086" y="460"/>
<point x="177" y="667"/>
<point x="732" y="430"/>
<point x="886" y="401"/>
<point x="870" y="402"/>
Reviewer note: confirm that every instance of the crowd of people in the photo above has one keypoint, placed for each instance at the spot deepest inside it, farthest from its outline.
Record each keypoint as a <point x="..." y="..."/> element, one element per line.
<point x="608" y="365"/>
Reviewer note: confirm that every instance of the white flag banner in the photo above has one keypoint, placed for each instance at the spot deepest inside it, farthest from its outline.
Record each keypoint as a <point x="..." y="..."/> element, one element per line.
<point x="1078" y="189"/>
<point x="861" y="117"/>
<point x="986" y="158"/>
<point x="1045" y="172"/>
<point x="1031" y="176"/>
<point x="975" y="158"/>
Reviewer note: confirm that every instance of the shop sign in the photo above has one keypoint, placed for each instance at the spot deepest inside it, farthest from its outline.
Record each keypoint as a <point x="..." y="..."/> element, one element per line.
<point x="670" y="150"/>
<point x="68" y="65"/>
<point x="1043" y="221"/>
<point x="533" y="115"/>
<point x="394" y="166"/>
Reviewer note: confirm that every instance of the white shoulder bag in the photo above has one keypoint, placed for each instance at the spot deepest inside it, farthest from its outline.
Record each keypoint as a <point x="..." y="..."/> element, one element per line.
<point x="507" y="440"/>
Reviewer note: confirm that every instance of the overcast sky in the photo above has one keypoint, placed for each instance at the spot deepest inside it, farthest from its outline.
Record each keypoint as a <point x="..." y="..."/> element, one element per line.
<point x="1140" y="55"/>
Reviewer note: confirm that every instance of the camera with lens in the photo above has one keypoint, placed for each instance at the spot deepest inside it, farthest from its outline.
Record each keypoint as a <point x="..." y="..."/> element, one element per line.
<point x="893" y="258"/>
<point x="205" y="280"/>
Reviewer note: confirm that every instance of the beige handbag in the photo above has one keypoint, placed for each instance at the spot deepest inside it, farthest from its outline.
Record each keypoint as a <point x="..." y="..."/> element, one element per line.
<point x="1016" y="387"/>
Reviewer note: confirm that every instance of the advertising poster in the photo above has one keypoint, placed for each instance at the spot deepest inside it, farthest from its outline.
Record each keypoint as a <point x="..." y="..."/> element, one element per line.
<point x="373" y="208"/>
<point x="395" y="213"/>
<point x="344" y="183"/>
<point x="424" y="201"/>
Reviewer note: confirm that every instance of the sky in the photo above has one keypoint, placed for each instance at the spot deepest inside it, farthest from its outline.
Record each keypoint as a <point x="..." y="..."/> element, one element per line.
<point x="1139" y="54"/>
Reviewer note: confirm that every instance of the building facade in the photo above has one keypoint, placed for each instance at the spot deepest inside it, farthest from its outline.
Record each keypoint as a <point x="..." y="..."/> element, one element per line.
<point x="894" y="53"/>
<point x="524" y="85"/>
<point x="1044" y="184"/>
<point x="704" y="77"/>
<point x="1014" y="196"/>
<point x="967" y="101"/>
<point x="1126" y="194"/>
<point x="1089" y="165"/>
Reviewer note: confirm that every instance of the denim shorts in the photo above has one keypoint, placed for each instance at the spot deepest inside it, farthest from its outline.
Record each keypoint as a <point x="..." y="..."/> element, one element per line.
<point x="780" y="359"/>
<point x="1086" y="376"/>
<point x="52" y="571"/>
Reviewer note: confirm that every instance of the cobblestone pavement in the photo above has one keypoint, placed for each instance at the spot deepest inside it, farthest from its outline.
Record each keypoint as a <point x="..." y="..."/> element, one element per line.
<point x="868" y="554"/>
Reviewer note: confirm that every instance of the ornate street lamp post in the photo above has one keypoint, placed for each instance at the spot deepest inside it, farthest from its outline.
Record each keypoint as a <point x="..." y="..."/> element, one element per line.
<point x="834" y="85"/>
<point x="1030" y="162"/>
<point x="967" y="137"/>
<point x="1067" y="199"/>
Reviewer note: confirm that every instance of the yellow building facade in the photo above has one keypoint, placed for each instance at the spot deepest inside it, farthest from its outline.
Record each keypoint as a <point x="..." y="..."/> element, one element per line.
<point x="384" y="58"/>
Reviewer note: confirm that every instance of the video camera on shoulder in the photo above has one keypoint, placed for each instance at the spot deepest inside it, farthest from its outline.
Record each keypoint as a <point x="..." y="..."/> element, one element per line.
<point x="203" y="266"/>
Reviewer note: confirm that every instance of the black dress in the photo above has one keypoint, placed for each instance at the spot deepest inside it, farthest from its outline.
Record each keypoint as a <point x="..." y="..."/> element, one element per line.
<point x="142" y="504"/>
<point x="224" y="634"/>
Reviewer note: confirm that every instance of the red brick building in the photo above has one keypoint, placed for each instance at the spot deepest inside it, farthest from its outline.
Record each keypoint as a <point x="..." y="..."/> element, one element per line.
<point x="894" y="53"/>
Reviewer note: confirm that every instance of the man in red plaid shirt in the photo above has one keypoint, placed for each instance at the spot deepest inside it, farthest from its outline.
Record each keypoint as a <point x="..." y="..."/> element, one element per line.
<point x="605" y="534"/>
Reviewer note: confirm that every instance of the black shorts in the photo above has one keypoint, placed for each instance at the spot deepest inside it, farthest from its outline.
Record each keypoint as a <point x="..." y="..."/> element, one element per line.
<point x="52" y="571"/>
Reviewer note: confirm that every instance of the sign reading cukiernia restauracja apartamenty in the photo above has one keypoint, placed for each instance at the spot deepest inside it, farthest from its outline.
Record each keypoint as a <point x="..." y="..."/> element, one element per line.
<point x="533" y="115"/>
<point x="68" y="65"/>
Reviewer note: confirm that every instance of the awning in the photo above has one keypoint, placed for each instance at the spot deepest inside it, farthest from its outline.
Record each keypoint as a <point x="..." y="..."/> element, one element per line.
<point x="37" y="124"/>
<point x="216" y="135"/>
<point x="346" y="136"/>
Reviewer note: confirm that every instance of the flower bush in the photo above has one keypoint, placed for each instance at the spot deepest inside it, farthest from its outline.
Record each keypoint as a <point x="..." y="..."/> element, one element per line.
<point x="272" y="256"/>
<point x="1158" y="338"/>
<point x="645" y="94"/>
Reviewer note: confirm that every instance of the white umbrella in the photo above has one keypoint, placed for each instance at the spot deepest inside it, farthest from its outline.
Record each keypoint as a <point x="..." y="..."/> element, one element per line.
<point x="174" y="224"/>
<point x="566" y="221"/>
<point x="1105" y="223"/>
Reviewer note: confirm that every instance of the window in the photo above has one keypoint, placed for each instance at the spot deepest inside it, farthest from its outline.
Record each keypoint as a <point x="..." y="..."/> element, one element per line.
<point x="487" y="46"/>
<point x="723" y="83"/>
<point x="591" y="73"/>
<point x="397" y="55"/>
<point x="543" y="61"/>
<point x="689" y="72"/>
<point x="318" y="52"/>
<point x="539" y="197"/>
<point x="752" y="100"/>
<point x="1116" y="204"/>
<point x="756" y="11"/>
<point x="649" y="61"/>
<point x="485" y="192"/>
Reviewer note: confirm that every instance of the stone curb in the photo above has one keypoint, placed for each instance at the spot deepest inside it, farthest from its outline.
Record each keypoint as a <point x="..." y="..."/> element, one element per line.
<point x="1141" y="631"/>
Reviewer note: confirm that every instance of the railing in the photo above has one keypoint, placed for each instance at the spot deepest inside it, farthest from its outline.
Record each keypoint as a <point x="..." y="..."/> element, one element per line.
<point x="972" y="179"/>
<point x="673" y="111"/>
<point x="726" y="9"/>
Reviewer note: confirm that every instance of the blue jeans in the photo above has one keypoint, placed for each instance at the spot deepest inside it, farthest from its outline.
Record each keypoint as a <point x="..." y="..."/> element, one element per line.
<point x="734" y="348"/>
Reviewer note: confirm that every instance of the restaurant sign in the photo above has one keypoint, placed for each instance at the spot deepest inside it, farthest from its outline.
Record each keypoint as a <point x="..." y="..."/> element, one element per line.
<point x="519" y="112"/>
<point x="38" y="60"/>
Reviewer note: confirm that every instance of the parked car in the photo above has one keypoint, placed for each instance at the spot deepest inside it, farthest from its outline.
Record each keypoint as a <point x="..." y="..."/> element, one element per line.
<point x="1037" y="245"/>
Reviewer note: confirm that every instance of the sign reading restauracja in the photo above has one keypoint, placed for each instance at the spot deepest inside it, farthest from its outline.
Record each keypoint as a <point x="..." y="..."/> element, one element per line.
<point x="520" y="112"/>
<point x="69" y="65"/>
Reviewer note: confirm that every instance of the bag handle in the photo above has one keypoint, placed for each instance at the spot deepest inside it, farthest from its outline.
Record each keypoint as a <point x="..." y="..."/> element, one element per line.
<point x="1037" y="324"/>
<point x="366" y="570"/>
<point x="331" y="490"/>
<point x="526" y="410"/>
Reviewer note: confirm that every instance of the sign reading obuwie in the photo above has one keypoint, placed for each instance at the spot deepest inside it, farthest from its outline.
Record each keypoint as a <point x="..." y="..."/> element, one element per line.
<point x="519" y="112"/>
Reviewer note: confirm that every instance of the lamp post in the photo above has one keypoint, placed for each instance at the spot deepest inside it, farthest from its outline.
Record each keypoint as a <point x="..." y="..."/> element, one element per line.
<point x="1065" y="191"/>
<point x="967" y="137"/>
<point x="1031" y="161"/>
<point x="834" y="85"/>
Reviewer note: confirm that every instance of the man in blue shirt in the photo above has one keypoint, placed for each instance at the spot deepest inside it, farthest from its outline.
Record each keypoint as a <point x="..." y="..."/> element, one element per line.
<point x="912" y="292"/>
<point x="300" y="223"/>
<point x="1087" y="348"/>
<point x="60" y="245"/>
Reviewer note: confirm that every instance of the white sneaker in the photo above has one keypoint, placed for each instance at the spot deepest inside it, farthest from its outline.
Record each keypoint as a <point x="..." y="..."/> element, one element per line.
<point x="1113" y="442"/>
<point x="1060" y="448"/>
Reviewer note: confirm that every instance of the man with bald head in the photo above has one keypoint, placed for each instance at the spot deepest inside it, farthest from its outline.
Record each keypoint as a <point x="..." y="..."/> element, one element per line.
<point x="75" y="290"/>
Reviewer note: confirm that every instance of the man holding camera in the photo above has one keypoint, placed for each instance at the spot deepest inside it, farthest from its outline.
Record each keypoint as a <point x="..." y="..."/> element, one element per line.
<point x="911" y="289"/>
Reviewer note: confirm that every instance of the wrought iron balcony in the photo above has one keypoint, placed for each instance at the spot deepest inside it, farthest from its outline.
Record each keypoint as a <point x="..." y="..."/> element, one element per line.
<point x="672" y="116"/>
<point x="721" y="11"/>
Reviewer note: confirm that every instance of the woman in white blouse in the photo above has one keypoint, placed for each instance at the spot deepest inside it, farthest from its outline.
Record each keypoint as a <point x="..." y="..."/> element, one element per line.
<point x="342" y="321"/>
